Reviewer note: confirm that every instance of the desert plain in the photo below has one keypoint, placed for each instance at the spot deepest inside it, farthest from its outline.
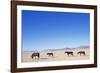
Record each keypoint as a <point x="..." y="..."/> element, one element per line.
<point x="58" y="55"/>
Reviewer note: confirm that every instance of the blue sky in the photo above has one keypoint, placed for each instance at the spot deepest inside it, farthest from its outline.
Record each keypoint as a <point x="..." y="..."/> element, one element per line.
<point x="53" y="30"/>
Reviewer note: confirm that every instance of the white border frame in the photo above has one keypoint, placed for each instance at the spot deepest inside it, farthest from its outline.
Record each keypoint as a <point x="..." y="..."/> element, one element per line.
<point x="55" y="63"/>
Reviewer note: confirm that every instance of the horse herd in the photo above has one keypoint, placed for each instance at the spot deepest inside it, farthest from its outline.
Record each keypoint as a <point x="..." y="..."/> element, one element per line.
<point x="37" y="54"/>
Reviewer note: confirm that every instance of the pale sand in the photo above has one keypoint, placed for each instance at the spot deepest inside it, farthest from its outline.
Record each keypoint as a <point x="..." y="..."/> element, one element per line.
<point x="58" y="56"/>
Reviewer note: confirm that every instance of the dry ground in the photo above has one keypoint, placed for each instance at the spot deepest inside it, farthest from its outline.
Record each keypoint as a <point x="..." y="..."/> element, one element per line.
<point x="58" y="56"/>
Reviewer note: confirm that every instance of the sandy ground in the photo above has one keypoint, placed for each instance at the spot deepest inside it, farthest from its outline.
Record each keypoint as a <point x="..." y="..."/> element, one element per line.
<point x="58" y="56"/>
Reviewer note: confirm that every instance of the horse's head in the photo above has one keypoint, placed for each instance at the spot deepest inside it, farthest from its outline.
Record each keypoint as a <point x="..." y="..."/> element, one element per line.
<point x="65" y="51"/>
<point x="32" y="55"/>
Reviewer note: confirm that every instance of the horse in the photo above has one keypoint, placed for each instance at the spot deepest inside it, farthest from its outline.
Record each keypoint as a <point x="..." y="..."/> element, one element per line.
<point x="69" y="53"/>
<point x="35" y="55"/>
<point x="81" y="52"/>
<point x="50" y="54"/>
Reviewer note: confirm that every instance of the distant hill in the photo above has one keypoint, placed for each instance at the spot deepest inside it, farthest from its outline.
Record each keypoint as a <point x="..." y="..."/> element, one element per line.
<point x="56" y="49"/>
<point x="61" y="49"/>
<point x="85" y="47"/>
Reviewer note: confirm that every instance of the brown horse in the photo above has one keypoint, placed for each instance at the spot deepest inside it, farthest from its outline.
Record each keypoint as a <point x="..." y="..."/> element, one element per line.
<point x="81" y="53"/>
<point x="50" y="54"/>
<point x="35" y="55"/>
<point x="69" y="53"/>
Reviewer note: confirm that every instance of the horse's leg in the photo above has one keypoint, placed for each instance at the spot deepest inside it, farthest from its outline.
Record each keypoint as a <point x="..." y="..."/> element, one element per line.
<point x="35" y="57"/>
<point x="38" y="56"/>
<point x="84" y="53"/>
<point x="72" y="54"/>
<point x="52" y="55"/>
<point x="80" y="54"/>
<point x="67" y="54"/>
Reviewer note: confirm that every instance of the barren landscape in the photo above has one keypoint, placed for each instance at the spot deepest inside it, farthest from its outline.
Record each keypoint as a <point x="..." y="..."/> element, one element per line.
<point x="58" y="55"/>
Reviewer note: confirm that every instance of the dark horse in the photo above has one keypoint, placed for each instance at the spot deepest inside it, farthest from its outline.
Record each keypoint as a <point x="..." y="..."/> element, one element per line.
<point x="69" y="53"/>
<point x="36" y="55"/>
<point x="81" y="53"/>
<point x="50" y="54"/>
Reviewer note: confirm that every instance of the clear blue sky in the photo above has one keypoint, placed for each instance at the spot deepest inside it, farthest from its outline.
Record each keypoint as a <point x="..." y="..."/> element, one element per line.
<point x="53" y="30"/>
